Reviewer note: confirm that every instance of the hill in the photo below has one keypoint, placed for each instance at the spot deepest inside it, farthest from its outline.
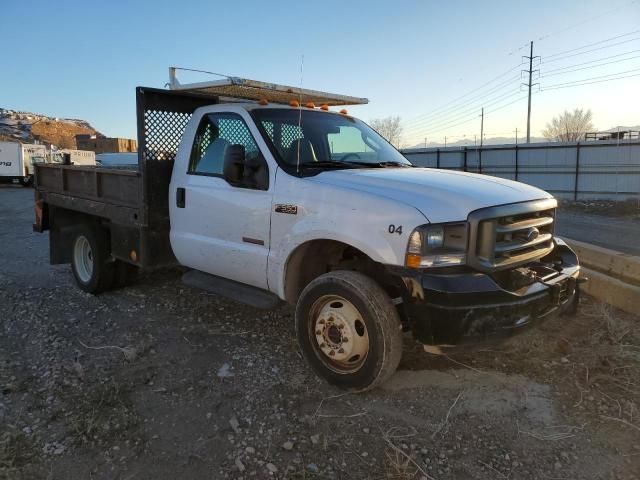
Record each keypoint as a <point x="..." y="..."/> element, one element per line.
<point x="27" y="127"/>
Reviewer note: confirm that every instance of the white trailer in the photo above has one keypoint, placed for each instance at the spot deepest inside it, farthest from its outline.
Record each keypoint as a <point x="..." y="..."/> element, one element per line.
<point x="17" y="160"/>
<point x="77" y="157"/>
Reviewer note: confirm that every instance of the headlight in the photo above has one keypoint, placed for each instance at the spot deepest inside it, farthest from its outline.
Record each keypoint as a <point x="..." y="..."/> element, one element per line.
<point x="437" y="245"/>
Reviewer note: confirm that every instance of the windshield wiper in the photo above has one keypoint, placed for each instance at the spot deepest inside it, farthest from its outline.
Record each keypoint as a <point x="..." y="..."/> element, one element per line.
<point x="393" y="164"/>
<point x="330" y="163"/>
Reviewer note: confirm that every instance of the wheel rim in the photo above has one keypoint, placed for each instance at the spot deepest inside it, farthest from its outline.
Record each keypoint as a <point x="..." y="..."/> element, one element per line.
<point x="338" y="334"/>
<point x="83" y="259"/>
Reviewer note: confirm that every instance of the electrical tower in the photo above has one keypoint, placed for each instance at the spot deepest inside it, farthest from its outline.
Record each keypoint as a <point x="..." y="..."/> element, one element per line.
<point x="529" y="85"/>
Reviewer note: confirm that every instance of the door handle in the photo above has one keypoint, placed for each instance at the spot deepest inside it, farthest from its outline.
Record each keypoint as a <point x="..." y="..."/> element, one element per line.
<point x="181" y="194"/>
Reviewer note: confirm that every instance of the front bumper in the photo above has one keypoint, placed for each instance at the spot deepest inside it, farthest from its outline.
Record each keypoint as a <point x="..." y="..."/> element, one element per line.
<point x="471" y="307"/>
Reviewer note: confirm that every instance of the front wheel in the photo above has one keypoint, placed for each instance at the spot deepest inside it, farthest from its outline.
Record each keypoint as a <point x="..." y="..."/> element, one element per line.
<point x="349" y="330"/>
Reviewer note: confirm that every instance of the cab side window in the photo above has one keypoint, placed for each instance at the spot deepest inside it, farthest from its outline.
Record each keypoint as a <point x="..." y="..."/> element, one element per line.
<point x="216" y="132"/>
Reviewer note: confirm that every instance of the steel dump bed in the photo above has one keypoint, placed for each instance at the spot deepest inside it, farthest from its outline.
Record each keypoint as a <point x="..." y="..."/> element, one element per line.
<point x="133" y="201"/>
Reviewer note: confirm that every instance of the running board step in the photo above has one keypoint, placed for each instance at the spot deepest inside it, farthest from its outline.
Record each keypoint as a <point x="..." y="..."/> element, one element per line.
<point x="239" y="292"/>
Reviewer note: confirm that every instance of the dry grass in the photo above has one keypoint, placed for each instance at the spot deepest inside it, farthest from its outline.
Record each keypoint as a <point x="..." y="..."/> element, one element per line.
<point x="607" y="363"/>
<point x="398" y="466"/>
<point x="16" y="451"/>
<point x="102" y="414"/>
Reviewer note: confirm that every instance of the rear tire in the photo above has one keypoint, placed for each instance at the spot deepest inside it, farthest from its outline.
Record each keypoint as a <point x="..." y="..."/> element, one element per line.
<point x="90" y="259"/>
<point x="348" y="330"/>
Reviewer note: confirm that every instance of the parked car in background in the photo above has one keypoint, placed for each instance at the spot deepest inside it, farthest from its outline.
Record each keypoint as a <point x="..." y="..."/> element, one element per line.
<point x="76" y="157"/>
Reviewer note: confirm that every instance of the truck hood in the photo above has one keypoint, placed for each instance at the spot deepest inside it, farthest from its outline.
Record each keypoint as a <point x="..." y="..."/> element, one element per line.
<point x="440" y="195"/>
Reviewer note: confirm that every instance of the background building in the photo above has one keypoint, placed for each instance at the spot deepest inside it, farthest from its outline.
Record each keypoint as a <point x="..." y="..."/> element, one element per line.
<point x="106" y="144"/>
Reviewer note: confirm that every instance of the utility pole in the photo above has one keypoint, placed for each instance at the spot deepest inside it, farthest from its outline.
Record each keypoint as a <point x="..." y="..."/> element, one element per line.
<point x="425" y="142"/>
<point x="516" y="135"/>
<point x="445" y="142"/>
<point x="481" y="126"/>
<point x="529" y="85"/>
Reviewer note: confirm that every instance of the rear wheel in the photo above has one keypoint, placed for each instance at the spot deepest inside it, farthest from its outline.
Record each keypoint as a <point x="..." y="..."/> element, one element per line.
<point x="90" y="262"/>
<point x="349" y="330"/>
<point x="26" y="181"/>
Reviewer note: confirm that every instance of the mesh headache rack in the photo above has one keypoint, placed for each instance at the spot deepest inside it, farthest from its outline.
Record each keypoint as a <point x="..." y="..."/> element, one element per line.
<point x="243" y="88"/>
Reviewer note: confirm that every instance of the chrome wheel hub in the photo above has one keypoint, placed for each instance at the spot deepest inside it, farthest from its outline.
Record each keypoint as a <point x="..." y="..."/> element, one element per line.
<point x="340" y="334"/>
<point x="83" y="259"/>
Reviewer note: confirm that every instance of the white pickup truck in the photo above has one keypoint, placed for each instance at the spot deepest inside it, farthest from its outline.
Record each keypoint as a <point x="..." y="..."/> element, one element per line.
<point x="269" y="202"/>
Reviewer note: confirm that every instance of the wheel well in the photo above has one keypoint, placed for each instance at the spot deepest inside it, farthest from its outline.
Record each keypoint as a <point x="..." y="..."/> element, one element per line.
<point x="316" y="257"/>
<point x="62" y="223"/>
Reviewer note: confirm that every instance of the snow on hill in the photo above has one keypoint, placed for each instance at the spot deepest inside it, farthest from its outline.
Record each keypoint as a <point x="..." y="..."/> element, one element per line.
<point x="28" y="127"/>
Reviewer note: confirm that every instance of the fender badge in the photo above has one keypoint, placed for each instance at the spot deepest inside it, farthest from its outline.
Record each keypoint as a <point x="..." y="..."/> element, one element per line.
<point x="288" y="209"/>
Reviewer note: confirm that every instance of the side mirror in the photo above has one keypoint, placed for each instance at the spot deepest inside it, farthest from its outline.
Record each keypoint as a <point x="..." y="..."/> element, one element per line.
<point x="256" y="173"/>
<point x="233" y="167"/>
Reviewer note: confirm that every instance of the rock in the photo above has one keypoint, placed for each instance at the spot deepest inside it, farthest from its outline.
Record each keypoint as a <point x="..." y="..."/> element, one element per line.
<point x="313" y="468"/>
<point x="557" y="465"/>
<point x="288" y="445"/>
<point x="54" y="448"/>
<point x="250" y="450"/>
<point x="224" y="371"/>
<point x="366" y="430"/>
<point x="240" y="465"/>
<point x="315" y="439"/>
<point x="235" y="424"/>
<point x="272" y="468"/>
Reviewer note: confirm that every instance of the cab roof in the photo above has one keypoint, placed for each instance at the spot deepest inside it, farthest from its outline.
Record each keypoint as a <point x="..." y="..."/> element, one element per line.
<point x="246" y="89"/>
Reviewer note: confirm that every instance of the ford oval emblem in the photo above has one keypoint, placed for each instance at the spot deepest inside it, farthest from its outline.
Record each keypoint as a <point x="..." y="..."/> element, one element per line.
<point x="532" y="234"/>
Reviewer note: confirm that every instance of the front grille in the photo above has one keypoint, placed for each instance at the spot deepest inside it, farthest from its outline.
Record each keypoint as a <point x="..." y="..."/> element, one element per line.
<point x="510" y="235"/>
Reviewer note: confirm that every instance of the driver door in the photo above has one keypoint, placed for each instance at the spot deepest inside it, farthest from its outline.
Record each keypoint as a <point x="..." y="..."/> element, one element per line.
<point x="216" y="227"/>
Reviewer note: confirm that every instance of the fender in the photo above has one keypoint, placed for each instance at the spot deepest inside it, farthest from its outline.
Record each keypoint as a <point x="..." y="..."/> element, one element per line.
<point x="328" y="212"/>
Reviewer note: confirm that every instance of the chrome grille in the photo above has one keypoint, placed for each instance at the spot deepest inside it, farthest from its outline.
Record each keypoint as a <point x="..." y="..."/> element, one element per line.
<point x="510" y="235"/>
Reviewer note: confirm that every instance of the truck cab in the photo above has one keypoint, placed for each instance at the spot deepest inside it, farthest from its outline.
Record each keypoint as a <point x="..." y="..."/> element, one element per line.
<point x="276" y="199"/>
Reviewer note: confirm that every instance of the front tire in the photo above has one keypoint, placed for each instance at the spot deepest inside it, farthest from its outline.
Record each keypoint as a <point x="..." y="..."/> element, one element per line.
<point x="90" y="259"/>
<point x="348" y="330"/>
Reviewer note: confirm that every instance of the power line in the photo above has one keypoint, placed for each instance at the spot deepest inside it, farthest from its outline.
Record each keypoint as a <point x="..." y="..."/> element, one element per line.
<point x="468" y="93"/>
<point x="595" y="43"/>
<point x="506" y="105"/>
<point x="466" y="108"/>
<point x="584" y="68"/>
<point x="587" y="20"/>
<point x="587" y="81"/>
<point x="589" y="51"/>
<point x="593" y="61"/>
<point x="428" y="118"/>
<point x="471" y="111"/>
<point x="474" y="117"/>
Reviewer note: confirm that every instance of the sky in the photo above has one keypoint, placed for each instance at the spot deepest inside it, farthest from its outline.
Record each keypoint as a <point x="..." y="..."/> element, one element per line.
<point x="83" y="59"/>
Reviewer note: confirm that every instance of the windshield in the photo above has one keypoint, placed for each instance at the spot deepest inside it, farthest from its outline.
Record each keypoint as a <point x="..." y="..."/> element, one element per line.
<point x="324" y="140"/>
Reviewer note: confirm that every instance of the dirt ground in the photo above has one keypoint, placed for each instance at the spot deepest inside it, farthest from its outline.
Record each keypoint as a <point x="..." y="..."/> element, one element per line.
<point x="158" y="381"/>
